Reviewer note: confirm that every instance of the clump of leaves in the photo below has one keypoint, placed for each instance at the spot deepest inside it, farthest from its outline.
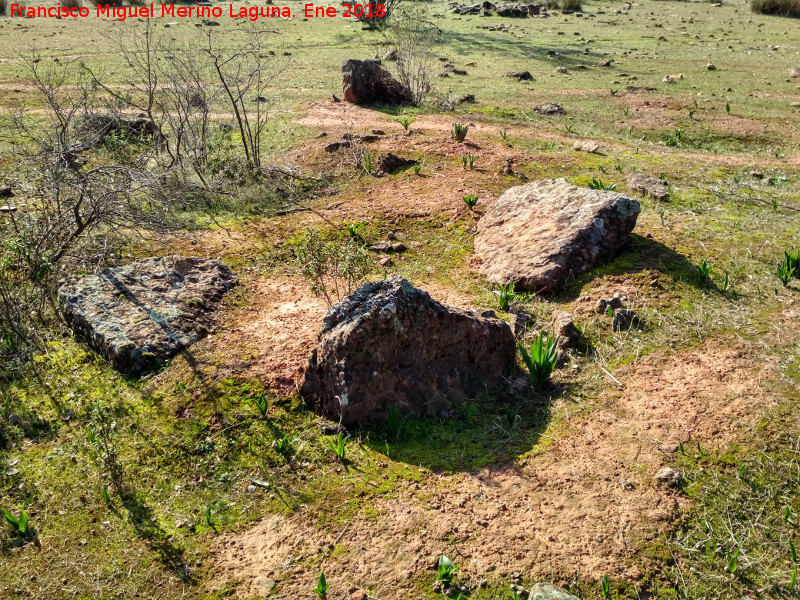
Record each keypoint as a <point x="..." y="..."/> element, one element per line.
<point x="504" y="134"/>
<point x="353" y="229"/>
<point x="785" y="272"/>
<point x="282" y="445"/>
<point x="792" y="258"/>
<point x="20" y="524"/>
<point x="675" y="139"/>
<point x="459" y="132"/>
<point x="445" y="570"/>
<point x="470" y="200"/>
<point x="704" y="269"/>
<point x="605" y="587"/>
<point x="339" y="446"/>
<point x="322" y="586"/>
<point x="540" y="357"/>
<point x="367" y="163"/>
<point x="598" y="184"/>
<point x="261" y="404"/>
<point x="733" y="560"/>
<point x="505" y="296"/>
<point x="395" y="423"/>
<point x="417" y="168"/>
<point x="404" y="121"/>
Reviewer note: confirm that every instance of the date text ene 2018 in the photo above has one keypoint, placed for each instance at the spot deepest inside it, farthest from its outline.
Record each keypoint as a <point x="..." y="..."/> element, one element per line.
<point x="350" y="10"/>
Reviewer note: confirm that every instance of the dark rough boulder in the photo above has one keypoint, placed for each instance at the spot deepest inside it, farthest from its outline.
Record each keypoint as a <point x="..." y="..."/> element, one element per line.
<point x="651" y="187"/>
<point x="6" y="191"/>
<point x="367" y="82"/>
<point x="139" y="315"/>
<point x="564" y="328"/>
<point x="390" y="344"/>
<point x="389" y="163"/>
<point x="550" y="109"/>
<point x="540" y="233"/>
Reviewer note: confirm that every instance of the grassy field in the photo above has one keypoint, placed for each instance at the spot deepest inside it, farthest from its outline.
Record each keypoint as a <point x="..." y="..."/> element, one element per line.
<point x="180" y="491"/>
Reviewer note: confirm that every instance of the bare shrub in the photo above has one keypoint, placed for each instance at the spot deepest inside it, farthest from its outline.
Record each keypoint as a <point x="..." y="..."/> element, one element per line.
<point x="415" y="38"/>
<point x="782" y="8"/>
<point x="333" y="268"/>
<point x="3" y="7"/>
<point x="77" y="209"/>
<point x="370" y="16"/>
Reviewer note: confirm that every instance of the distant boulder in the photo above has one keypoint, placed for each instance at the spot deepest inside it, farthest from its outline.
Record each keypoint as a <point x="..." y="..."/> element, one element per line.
<point x="367" y="82"/>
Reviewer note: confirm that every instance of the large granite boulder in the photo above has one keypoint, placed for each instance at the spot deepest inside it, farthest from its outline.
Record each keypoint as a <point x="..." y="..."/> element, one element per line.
<point x="139" y="315"/>
<point x="390" y="344"/>
<point x="367" y="82"/>
<point x="542" y="232"/>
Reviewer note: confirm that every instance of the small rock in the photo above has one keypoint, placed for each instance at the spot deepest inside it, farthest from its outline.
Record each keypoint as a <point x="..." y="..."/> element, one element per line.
<point x="564" y="327"/>
<point x="520" y="323"/>
<point x="624" y="318"/>
<point x="380" y="247"/>
<point x="586" y="146"/>
<point x="606" y="63"/>
<point x="391" y="235"/>
<point x="561" y="69"/>
<point x="546" y="591"/>
<point x="521" y="75"/>
<point x="669" y="476"/>
<point x="756" y="174"/>
<point x="386" y="261"/>
<point x="398" y="247"/>
<point x="550" y="109"/>
<point x="378" y="132"/>
<point x="14" y="419"/>
<point x="251" y="488"/>
<point x="6" y="191"/>
<point x="359" y="595"/>
<point x="711" y="67"/>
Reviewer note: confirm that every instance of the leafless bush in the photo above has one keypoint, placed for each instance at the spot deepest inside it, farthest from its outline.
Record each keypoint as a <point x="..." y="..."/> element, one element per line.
<point x="782" y="8"/>
<point x="415" y="39"/>
<point x="372" y="9"/>
<point x="3" y="7"/>
<point x="74" y="205"/>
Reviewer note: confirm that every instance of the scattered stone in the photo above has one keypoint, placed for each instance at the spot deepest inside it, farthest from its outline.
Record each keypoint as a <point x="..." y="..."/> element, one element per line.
<point x="390" y="344"/>
<point x="521" y="75"/>
<point x="520" y="322"/>
<point x="391" y="54"/>
<point x="648" y="186"/>
<point x="639" y="89"/>
<point x="359" y="595"/>
<point x="549" y="109"/>
<point x="380" y="247"/>
<point x="539" y="233"/>
<point x="606" y="63"/>
<point x="564" y="328"/>
<point x="669" y="476"/>
<point x="251" y="489"/>
<point x="589" y="146"/>
<point x="144" y="313"/>
<point x="14" y="419"/>
<point x="385" y="261"/>
<point x="624" y="318"/>
<point x="794" y="72"/>
<point x="378" y="132"/>
<point x="458" y="71"/>
<point x="711" y="67"/>
<point x="6" y="191"/>
<point x="334" y="146"/>
<point x="507" y="168"/>
<point x="8" y="208"/>
<point x="561" y="69"/>
<point x="756" y="174"/>
<point x="398" y="247"/>
<point x="546" y="591"/>
<point x="389" y="163"/>
<point x="210" y="23"/>
<point x="464" y="99"/>
<point x="367" y="82"/>
<point x="513" y="11"/>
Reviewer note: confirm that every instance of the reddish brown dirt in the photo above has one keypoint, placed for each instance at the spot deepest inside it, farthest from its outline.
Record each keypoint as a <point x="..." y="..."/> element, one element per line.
<point x="574" y="508"/>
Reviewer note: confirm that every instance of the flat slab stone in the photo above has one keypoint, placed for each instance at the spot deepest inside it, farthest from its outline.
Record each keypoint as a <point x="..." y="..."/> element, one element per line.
<point x="144" y="313"/>
<point x="540" y="233"/>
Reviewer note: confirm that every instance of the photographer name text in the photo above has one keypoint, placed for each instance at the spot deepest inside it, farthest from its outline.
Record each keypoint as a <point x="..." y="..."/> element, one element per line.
<point x="179" y="11"/>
